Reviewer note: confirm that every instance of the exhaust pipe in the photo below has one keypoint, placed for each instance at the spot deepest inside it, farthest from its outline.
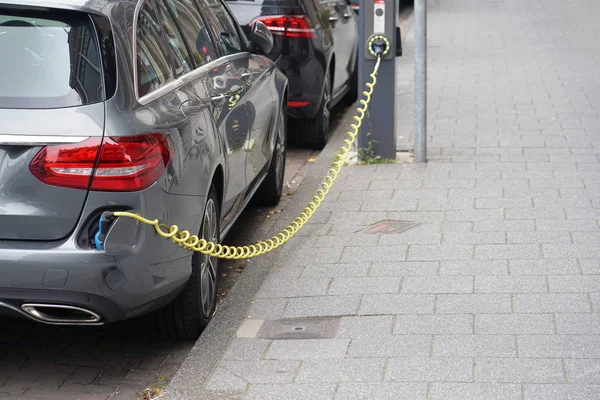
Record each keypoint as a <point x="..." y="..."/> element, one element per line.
<point x="59" y="314"/>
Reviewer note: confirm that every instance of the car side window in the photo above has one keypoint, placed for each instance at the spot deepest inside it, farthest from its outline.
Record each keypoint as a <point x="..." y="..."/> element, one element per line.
<point x="193" y="29"/>
<point x="222" y="26"/>
<point x="153" y="63"/>
<point x="181" y="57"/>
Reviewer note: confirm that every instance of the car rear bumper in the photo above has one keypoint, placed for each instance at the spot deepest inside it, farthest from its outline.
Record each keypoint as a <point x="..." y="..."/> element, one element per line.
<point x="145" y="275"/>
<point x="97" y="283"/>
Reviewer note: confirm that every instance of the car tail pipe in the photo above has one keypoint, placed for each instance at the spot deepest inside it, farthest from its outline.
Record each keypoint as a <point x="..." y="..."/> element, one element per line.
<point x="55" y="314"/>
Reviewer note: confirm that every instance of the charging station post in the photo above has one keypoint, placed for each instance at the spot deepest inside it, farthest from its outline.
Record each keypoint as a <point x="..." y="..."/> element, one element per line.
<point x="378" y="33"/>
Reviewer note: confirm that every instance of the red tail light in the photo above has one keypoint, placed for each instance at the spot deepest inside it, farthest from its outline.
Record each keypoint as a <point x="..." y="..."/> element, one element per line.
<point x="294" y="26"/>
<point x="125" y="163"/>
<point x="297" y="104"/>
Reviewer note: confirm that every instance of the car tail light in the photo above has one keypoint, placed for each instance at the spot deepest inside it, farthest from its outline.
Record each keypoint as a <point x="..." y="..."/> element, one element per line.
<point x="117" y="163"/>
<point x="297" y="104"/>
<point x="292" y="26"/>
<point x="354" y="6"/>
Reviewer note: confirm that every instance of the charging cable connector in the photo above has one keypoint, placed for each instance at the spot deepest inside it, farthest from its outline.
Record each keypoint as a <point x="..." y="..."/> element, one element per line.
<point x="106" y="220"/>
<point x="378" y="45"/>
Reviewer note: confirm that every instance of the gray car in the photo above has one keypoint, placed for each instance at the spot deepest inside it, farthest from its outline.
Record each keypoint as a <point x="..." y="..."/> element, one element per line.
<point x="160" y="107"/>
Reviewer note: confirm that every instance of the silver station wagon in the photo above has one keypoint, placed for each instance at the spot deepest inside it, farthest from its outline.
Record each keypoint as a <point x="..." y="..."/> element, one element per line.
<point x="159" y="107"/>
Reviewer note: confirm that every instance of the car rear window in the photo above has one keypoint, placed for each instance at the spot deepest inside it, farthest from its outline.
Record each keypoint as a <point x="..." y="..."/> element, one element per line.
<point x="50" y="59"/>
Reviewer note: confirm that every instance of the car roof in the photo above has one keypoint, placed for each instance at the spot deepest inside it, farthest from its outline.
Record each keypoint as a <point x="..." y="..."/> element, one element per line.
<point x="88" y="6"/>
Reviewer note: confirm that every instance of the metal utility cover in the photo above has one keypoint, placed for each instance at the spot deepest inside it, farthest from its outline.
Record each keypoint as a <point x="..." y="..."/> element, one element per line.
<point x="390" y="227"/>
<point x="299" y="328"/>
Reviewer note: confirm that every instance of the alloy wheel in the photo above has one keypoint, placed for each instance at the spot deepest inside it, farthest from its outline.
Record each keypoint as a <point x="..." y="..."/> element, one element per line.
<point x="280" y="150"/>
<point x="327" y="102"/>
<point x="209" y="266"/>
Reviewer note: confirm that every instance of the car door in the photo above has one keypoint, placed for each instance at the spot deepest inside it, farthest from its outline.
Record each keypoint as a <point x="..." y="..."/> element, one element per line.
<point x="162" y="64"/>
<point x="254" y="92"/>
<point x="261" y="108"/>
<point x="200" y="140"/>
<point x="220" y="88"/>
<point x="255" y="72"/>
<point x="350" y="29"/>
<point x="344" y="36"/>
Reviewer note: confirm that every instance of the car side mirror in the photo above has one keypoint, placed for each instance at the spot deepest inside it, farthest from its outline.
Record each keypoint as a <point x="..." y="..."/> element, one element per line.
<point x="261" y="38"/>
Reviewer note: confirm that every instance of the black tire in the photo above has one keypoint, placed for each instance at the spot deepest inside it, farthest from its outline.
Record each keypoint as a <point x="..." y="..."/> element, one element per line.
<point x="352" y="95"/>
<point x="314" y="132"/>
<point x="269" y="192"/>
<point x="191" y="311"/>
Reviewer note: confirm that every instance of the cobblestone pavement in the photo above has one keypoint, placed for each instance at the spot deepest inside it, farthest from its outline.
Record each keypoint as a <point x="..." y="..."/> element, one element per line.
<point x="496" y="294"/>
<point x="114" y="362"/>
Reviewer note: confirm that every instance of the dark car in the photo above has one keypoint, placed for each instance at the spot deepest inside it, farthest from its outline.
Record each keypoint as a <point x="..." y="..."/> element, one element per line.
<point x="159" y="107"/>
<point x="315" y="45"/>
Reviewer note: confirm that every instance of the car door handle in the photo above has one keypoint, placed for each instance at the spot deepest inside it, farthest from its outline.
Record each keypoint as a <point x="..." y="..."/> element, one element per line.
<point x="189" y="107"/>
<point x="217" y="98"/>
<point x="247" y="75"/>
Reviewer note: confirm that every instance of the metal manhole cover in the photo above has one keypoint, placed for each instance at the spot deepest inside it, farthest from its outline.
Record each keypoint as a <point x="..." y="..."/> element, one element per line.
<point x="390" y="227"/>
<point x="299" y="328"/>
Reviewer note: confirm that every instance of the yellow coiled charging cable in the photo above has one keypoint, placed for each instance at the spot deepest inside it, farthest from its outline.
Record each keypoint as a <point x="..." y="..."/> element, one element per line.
<point x="194" y="243"/>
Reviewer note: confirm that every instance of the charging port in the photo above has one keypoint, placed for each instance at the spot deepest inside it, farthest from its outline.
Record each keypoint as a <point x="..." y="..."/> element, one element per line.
<point x="379" y="47"/>
<point x="106" y="220"/>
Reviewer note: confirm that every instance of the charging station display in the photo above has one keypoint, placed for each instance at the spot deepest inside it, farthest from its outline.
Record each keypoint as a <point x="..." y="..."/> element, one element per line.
<point x="379" y="16"/>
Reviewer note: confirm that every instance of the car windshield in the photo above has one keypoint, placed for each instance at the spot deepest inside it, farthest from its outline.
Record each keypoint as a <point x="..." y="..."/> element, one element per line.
<point x="49" y="60"/>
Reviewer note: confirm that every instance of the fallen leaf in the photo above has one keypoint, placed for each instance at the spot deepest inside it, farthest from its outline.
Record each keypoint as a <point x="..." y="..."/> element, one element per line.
<point x="311" y="159"/>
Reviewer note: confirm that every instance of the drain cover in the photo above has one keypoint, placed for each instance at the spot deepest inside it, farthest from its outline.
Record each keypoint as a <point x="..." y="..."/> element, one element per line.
<point x="390" y="227"/>
<point x="299" y="328"/>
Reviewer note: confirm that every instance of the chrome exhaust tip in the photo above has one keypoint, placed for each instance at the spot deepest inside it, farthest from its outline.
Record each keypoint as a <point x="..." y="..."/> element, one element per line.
<point x="59" y="314"/>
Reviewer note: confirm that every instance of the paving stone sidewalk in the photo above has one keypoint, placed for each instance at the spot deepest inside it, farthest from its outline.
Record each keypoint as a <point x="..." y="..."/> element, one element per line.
<point x="496" y="293"/>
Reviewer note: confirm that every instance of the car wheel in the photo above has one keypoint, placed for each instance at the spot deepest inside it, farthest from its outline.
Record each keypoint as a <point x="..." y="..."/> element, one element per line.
<point x="314" y="132"/>
<point x="269" y="192"/>
<point x="191" y="311"/>
<point x="352" y="94"/>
